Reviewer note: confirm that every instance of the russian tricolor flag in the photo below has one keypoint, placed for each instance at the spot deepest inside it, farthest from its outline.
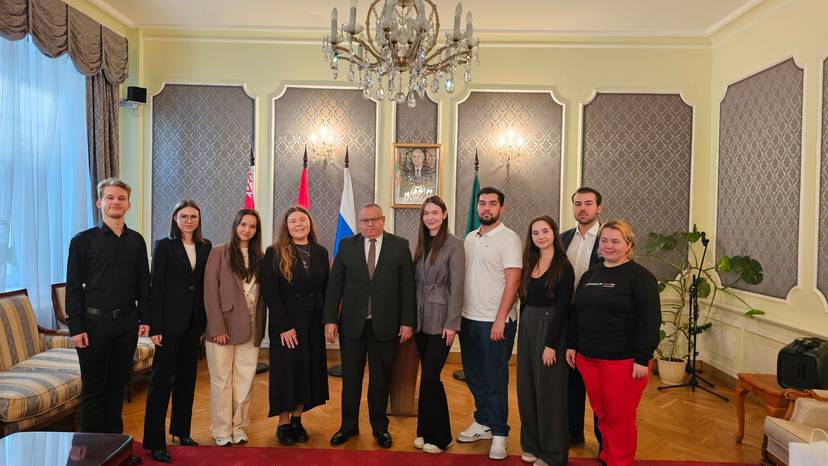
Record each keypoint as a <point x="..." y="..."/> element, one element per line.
<point x="347" y="213"/>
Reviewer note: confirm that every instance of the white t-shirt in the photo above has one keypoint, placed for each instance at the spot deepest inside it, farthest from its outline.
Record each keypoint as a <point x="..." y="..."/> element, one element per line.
<point x="487" y="258"/>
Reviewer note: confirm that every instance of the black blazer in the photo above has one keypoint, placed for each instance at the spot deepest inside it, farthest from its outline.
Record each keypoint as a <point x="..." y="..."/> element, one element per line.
<point x="177" y="291"/>
<point x="566" y="238"/>
<point x="305" y="293"/>
<point x="392" y="291"/>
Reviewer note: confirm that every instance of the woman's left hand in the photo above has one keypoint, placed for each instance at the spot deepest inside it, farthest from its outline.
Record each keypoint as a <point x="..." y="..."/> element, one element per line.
<point x="548" y="356"/>
<point x="639" y="371"/>
<point x="289" y="338"/>
<point x="448" y="335"/>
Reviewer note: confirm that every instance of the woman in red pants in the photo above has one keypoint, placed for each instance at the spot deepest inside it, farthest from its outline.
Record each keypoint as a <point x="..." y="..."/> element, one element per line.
<point x="613" y="332"/>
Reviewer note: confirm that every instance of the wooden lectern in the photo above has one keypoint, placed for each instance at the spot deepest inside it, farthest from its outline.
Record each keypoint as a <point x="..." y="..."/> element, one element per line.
<point x="404" y="380"/>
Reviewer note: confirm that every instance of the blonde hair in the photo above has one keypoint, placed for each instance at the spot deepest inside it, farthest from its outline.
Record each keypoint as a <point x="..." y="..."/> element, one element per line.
<point x="117" y="182"/>
<point x="623" y="227"/>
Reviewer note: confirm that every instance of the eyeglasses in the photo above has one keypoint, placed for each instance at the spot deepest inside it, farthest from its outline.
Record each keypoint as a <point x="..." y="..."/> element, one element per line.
<point x="371" y="220"/>
<point x="188" y="218"/>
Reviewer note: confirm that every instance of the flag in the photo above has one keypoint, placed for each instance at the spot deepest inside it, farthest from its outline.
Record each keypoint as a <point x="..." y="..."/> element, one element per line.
<point x="473" y="221"/>
<point x="303" y="197"/>
<point x="347" y="213"/>
<point x="249" y="201"/>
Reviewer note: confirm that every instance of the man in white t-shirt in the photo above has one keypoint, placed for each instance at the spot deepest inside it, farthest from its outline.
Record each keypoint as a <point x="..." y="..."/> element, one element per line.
<point x="487" y="334"/>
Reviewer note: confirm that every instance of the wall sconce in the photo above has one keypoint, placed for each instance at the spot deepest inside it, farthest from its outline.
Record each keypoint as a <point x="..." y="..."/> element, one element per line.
<point x="510" y="145"/>
<point x="322" y="144"/>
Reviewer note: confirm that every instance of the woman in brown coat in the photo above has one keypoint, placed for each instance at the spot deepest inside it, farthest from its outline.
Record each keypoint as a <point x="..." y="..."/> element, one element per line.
<point x="235" y="325"/>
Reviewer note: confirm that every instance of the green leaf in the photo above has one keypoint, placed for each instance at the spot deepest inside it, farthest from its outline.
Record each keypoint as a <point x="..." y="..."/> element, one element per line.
<point x="754" y="312"/>
<point x="662" y="285"/>
<point x="747" y="269"/>
<point x="723" y="264"/>
<point x="661" y="334"/>
<point x="703" y="288"/>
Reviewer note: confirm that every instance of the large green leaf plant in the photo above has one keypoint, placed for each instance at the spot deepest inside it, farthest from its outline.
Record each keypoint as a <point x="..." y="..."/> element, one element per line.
<point x="720" y="278"/>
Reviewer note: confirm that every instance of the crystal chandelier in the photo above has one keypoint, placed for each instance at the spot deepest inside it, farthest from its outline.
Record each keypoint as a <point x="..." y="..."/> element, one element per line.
<point x="396" y="55"/>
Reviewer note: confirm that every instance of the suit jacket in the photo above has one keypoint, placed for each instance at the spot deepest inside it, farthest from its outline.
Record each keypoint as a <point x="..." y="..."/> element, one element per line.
<point x="392" y="294"/>
<point x="177" y="290"/>
<point x="440" y="288"/>
<point x="566" y="238"/>
<point x="304" y="293"/>
<point x="225" y="304"/>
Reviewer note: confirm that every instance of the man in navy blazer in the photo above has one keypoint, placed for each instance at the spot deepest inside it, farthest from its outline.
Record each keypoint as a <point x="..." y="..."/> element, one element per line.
<point x="581" y="245"/>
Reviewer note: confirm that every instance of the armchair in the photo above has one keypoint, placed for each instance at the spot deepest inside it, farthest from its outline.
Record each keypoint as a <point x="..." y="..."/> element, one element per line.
<point x="807" y="412"/>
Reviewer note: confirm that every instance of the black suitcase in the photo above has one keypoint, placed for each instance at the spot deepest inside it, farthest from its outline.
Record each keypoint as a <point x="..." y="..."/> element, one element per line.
<point x="803" y="364"/>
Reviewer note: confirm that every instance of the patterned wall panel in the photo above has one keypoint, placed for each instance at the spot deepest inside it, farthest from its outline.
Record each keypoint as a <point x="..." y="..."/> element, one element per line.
<point x="298" y="113"/>
<point x="636" y="153"/>
<point x="201" y="140"/>
<point x="822" y="259"/>
<point x="415" y="125"/>
<point x="532" y="181"/>
<point x="760" y="145"/>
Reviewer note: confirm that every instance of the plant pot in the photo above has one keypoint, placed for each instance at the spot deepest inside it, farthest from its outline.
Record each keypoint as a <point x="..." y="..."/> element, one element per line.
<point x="671" y="372"/>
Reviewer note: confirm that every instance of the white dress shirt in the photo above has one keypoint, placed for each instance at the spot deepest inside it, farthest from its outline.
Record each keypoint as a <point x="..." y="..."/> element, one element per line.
<point x="580" y="250"/>
<point x="368" y="246"/>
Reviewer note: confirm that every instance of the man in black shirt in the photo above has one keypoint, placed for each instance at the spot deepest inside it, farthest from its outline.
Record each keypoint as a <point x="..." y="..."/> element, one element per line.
<point x="107" y="304"/>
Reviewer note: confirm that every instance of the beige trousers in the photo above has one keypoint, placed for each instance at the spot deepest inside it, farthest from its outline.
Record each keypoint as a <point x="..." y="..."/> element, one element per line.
<point x="232" y="368"/>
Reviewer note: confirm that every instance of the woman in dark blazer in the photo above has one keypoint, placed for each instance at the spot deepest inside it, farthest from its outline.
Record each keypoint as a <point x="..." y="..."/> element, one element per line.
<point x="294" y="279"/>
<point x="177" y="323"/>
<point x="440" y="264"/>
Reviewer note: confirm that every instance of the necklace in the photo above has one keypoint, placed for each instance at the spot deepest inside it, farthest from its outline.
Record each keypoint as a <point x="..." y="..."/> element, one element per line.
<point x="303" y="251"/>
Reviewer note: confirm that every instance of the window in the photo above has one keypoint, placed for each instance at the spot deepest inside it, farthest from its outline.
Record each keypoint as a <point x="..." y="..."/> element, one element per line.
<point x="45" y="196"/>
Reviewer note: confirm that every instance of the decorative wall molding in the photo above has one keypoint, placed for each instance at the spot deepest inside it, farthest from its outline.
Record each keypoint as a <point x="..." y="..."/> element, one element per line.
<point x="822" y="246"/>
<point x="759" y="176"/>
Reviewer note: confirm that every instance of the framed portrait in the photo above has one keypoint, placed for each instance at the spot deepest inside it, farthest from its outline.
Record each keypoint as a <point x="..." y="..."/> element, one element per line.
<point x="416" y="173"/>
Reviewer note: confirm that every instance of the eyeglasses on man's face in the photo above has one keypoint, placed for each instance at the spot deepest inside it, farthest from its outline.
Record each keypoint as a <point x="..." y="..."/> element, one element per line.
<point x="371" y="220"/>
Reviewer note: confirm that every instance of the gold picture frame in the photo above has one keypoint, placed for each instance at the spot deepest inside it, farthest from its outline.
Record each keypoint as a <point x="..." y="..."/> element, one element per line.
<point x="416" y="174"/>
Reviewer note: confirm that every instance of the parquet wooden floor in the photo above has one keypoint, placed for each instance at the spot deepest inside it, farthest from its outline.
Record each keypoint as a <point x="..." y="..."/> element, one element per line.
<point x="674" y="424"/>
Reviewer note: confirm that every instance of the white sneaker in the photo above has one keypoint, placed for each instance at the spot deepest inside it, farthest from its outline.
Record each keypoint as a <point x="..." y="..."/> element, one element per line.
<point x="431" y="448"/>
<point x="540" y="462"/>
<point x="474" y="433"/>
<point x="239" y="436"/>
<point x="223" y="441"/>
<point x="418" y="443"/>
<point x="527" y="457"/>
<point x="498" y="449"/>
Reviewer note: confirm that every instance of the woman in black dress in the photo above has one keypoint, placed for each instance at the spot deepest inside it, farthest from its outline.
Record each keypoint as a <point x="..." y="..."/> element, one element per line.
<point x="546" y="288"/>
<point x="178" y="321"/>
<point x="294" y="278"/>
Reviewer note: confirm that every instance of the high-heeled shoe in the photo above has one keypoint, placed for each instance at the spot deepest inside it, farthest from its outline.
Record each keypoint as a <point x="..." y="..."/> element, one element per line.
<point x="185" y="441"/>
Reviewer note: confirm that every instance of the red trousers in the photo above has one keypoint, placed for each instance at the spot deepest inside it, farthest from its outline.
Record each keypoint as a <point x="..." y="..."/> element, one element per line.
<point x="614" y="396"/>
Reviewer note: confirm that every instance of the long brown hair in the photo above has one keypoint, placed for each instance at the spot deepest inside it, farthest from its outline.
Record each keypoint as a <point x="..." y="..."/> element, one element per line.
<point x="175" y="232"/>
<point x="284" y="243"/>
<point x="254" y="248"/>
<point x="531" y="257"/>
<point x="439" y="240"/>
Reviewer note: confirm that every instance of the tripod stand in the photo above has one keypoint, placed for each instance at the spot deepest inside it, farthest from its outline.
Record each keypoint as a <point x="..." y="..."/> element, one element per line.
<point x="693" y="383"/>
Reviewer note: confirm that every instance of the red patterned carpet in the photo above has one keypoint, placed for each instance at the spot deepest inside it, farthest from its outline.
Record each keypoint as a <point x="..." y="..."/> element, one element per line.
<point x="253" y="456"/>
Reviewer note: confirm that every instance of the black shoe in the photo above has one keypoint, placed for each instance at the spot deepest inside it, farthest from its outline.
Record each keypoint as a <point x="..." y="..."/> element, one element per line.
<point x="299" y="432"/>
<point x="185" y="441"/>
<point x="285" y="435"/>
<point x="383" y="439"/>
<point x="135" y="460"/>
<point x="342" y="436"/>
<point x="576" y="440"/>
<point x="162" y="456"/>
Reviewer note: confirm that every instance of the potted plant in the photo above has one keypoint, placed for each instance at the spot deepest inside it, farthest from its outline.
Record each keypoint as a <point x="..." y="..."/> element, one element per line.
<point x="679" y="253"/>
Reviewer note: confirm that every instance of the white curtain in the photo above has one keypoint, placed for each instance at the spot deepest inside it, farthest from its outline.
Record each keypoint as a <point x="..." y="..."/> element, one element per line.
<point x="44" y="170"/>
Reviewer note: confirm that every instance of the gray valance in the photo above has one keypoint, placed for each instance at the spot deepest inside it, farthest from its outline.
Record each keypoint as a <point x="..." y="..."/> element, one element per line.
<point x="57" y="28"/>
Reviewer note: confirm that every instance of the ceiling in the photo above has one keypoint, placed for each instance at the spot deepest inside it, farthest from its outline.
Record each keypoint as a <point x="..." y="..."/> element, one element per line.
<point x="691" y="18"/>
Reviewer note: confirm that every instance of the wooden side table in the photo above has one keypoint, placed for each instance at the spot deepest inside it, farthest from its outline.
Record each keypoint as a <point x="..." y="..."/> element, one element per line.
<point x="765" y="387"/>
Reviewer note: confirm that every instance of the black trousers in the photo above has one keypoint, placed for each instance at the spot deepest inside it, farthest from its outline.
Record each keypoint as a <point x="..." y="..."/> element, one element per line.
<point x="173" y="370"/>
<point x="105" y="369"/>
<point x="433" y="423"/>
<point x="380" y="358"/>
<point x="577" y="401"/>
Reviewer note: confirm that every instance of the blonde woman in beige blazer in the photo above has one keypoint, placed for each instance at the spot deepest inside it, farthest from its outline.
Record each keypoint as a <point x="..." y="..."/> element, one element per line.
<point x="440" y="264"/>
<point x="235" y="326"/>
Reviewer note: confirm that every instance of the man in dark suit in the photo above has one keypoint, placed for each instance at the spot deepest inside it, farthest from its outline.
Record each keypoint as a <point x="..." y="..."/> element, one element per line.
<point x="372" y="278"/>
<point x="581" y="245"/>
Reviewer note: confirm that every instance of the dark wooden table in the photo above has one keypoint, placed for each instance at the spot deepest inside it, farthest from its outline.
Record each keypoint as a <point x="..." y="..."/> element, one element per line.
<point x="65" y="448"/>
<point x="765" y="387"/>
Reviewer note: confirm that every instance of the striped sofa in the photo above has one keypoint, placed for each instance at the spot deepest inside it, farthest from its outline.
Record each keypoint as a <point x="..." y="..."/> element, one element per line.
<point x="39" y="373"/>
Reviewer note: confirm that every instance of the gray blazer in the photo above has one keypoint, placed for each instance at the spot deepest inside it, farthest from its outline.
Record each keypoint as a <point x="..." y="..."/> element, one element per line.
<point x="440" y="288"/>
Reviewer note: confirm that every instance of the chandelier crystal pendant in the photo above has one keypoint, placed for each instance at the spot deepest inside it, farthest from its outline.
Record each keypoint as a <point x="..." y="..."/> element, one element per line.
<point x="396" y="54"/>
